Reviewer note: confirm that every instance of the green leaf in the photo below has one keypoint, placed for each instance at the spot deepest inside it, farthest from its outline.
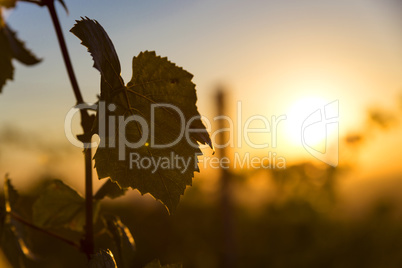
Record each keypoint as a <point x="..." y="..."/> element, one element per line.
<point x="156" y="264"/>
<point x="61" y="206"/>
<point x="155" y="81"/>
<point x="124" y="241"/>
<point x="102" y="259"/>
<point x="109" y="189"/>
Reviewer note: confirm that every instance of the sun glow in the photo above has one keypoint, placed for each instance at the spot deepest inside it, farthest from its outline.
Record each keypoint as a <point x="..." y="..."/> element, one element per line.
<point x="297" y="114"/>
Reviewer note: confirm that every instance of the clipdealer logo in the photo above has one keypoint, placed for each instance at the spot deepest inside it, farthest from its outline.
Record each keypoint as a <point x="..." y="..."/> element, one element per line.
<point x="324" y="119"/>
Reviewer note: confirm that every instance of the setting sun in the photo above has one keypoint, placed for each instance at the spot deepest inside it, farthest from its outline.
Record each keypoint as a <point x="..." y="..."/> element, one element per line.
<point x="297" y="113"/>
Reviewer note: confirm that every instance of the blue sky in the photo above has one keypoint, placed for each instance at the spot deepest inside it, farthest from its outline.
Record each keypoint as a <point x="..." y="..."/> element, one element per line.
<point x="234" y="42"/>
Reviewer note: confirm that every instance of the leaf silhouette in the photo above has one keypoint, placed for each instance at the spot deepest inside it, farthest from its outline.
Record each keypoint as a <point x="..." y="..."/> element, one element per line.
<point x="106" y="61"/>
<point x="158" y="86"/>
<point x="7" y="3"/>
<point x="6" y="66"/>
<point x="63" y="5"/>
<point x="10" y="194"/>
<point x="60" y="206"/>
<point x="18" y="49"/>
<point x="12" y="240"/>
<point x="123" y="239"/>
<point x="109" y="189"/>
<point x="102" y="259"/>
<point x="11" y="47"/>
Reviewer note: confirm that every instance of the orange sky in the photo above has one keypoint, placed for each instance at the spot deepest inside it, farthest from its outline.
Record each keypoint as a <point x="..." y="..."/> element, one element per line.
<point x="270" y="55"/>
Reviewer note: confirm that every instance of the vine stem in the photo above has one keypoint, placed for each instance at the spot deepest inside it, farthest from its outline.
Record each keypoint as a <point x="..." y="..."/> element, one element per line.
<point x="64" y="51"/>
<point x="86" y="123"/>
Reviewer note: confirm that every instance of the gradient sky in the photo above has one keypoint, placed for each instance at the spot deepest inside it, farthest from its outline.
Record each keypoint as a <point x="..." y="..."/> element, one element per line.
<point x="270" y="55"/>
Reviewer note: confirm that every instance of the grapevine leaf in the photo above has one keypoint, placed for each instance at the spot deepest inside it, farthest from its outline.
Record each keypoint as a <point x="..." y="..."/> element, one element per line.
<point x="15" y="248"/>
<point x="12" y="236"/>
<point x="3" y="215"/>
<point x="123" y="239"/>
<point x="18" y="49"/>
<point x="7" y="3"/>
<point x="6" y="66"/>
<point x="109" y="189"/>
<point x="11" y="47"/>
<point x="10" y="194"/>
<point x="102" y="259"/>
<point x="156" y="83"/>
<point x="60" y="206"/>
<point x="106" y="61"/>
<point x="156" y="264"/>
<point x="63" y="5"/>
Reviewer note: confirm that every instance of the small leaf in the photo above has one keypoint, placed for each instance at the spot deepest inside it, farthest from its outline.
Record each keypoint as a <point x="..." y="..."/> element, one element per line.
<point x="102" y="259"/>
<point x="11" y="47"/>
<point x="10" y="194"/>
<point x="6" y="67"/>
<point x="106" y="61"/>
<point x="64" y="5"/>
<point x="18" y="49"/>
<point x="123" y="239"/>
<point x="155" y="81"/>
<point x="109" y="189"/>
<point x="14" y="247"/>
<point x="7" y="3"/>
<point x="12" y="239"/>
<point x="156" y="264"/>
<point x="61" y="206"/>
<point x="3" y="215"/>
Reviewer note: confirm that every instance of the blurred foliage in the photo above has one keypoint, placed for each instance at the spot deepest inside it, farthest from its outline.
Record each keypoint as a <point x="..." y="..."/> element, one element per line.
<point x="102" y="259"/>
<point x="299" y="226"/>
<point x="59" y="205"/>
<point x="11" y="48"/>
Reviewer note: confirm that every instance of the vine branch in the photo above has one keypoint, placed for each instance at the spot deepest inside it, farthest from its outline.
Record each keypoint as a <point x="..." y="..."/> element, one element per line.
<point x="64" y="51"/>
<point x="37" y="228"/>
<point x="86" y="123"/>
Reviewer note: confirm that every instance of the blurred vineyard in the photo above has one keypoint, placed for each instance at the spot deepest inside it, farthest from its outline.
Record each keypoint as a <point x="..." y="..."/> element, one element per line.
<point x="298" y="222"/>
<point x="293" y="217"/>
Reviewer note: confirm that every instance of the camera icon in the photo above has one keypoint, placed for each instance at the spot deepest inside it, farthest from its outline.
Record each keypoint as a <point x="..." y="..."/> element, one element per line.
<point x="325" y="122"/>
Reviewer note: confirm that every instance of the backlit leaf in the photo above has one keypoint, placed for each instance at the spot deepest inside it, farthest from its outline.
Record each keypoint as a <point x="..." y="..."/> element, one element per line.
<point x="106" y="61"/>
<point x="61" y="206"/>
<point x="109" y="189"/>
<point x="156" y="264"/>
<point x="10" y="195"/>
<point x="123" y="239"/>
<point x="102" y="259"/>
<point x="14" y="246"/>
<point x="12" y="239"/>
<point x="156" y="81"/>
